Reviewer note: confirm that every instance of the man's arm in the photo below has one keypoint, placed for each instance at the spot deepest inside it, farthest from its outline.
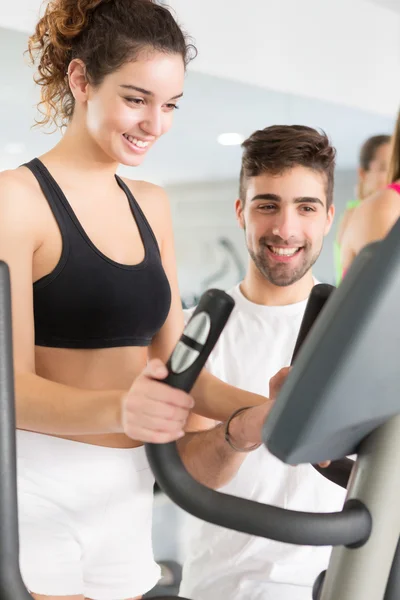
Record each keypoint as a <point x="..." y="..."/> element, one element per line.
<point x="209" y="458"/>
<point x="217" y="400"/>
<point x="207" y="455"/>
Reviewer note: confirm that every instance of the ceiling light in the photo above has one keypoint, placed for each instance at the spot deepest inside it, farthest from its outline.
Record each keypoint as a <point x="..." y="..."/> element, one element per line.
<point x="14" y="148"/>
<point x="230" y="139"/>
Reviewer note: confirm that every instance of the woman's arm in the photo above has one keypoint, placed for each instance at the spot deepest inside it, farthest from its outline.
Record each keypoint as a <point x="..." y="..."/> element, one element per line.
<point x="41" y="405"/>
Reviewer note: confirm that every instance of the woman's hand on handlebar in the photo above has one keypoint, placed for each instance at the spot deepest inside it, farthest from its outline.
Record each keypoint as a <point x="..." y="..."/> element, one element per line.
<point x="153" y="411"/>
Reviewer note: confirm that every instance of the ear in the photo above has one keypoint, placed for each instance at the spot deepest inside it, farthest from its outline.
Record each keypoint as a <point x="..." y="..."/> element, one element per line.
<point x="239" y="209"/>
<point x="329" y="219"/>
<point x="78" y="82"/>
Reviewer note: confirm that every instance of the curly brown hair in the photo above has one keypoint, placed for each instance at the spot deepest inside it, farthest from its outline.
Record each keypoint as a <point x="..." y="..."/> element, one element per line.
<point x="280" y="147"/>
<point x="104" y="34"/>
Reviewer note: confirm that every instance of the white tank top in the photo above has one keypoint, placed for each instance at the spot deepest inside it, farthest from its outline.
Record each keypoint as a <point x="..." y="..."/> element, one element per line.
<point x="223" y="564"/>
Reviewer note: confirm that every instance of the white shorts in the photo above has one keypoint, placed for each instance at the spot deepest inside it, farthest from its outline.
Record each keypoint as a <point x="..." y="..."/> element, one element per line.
<point x="85" y="517"/>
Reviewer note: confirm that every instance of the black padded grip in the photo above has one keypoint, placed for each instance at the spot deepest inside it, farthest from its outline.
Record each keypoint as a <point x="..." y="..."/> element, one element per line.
<point x="215" y="306"/>
<point x="316" y="302"/>
<point x="339" y="470"/>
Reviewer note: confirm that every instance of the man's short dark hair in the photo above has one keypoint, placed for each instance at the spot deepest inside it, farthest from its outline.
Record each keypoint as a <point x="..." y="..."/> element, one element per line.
<point x="276" y="149"/>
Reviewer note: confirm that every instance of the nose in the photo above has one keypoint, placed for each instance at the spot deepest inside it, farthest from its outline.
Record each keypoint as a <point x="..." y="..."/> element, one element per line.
<point x="286" y="224"/>
<point x="152" y="122"/>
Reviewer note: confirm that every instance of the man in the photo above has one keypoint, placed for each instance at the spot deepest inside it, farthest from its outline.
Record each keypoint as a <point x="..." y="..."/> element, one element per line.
<point x="285" y="209"/>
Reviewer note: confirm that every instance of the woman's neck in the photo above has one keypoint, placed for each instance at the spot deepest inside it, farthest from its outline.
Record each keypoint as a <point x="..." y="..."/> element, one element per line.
<point x="77" y="152"/>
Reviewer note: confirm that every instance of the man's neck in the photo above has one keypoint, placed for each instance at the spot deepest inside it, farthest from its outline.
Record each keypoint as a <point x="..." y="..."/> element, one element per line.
<point x="257" y="289"/>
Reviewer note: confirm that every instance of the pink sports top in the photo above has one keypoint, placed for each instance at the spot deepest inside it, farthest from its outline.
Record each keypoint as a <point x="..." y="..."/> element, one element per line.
<point x="395" y="187"/>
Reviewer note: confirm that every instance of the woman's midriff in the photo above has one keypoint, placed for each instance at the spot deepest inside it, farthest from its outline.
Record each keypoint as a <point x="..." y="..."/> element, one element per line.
<point x="103" y="369"/>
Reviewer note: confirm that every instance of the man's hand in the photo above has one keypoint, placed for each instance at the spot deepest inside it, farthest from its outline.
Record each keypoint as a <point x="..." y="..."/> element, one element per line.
<point x="276" y="382"/>
<point x="325" y="464"/>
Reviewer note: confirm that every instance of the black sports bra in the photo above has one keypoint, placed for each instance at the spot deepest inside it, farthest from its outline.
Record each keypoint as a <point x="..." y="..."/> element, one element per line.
<point x="89" y="300"/>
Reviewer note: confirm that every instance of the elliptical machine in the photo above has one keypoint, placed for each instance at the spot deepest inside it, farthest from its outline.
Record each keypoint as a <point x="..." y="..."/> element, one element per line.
<point x="341" y="398"/>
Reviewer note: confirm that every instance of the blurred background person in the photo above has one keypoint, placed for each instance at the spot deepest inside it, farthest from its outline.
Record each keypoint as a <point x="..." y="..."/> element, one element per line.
<point x="375" y="216"/>
<point x="374" y="160"/>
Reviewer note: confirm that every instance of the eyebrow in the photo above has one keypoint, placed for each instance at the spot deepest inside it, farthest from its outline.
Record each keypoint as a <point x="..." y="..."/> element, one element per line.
<point x="146" y="92"/>
<point x="299" y="200"/>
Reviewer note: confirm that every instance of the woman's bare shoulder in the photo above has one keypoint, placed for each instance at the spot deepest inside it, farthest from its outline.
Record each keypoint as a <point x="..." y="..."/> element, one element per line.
<point x="146" y="192"/>
<point x="154" y="202"/>
<point x="18" y="184"/>
<point x="21" y="200"/>
<point x="374" y="217"/>
<point x="385" y="199"/>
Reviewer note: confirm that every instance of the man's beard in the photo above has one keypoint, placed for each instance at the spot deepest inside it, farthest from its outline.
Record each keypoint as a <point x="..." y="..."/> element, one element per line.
<point x="282" y="274"/>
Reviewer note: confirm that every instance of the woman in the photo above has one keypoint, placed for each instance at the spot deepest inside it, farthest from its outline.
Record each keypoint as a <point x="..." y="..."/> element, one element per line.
<point x="93" y="332"/>
<point x="372" y="176"/>
<point x="373" y="219"/>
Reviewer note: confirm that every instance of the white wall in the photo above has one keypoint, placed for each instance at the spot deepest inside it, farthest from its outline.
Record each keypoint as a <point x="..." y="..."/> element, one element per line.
<point x="344" y="51"/>
<point x="204" y="212"/>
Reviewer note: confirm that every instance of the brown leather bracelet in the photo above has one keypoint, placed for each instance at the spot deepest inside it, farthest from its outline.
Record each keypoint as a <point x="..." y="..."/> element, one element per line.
<point x="228" y="436"/>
